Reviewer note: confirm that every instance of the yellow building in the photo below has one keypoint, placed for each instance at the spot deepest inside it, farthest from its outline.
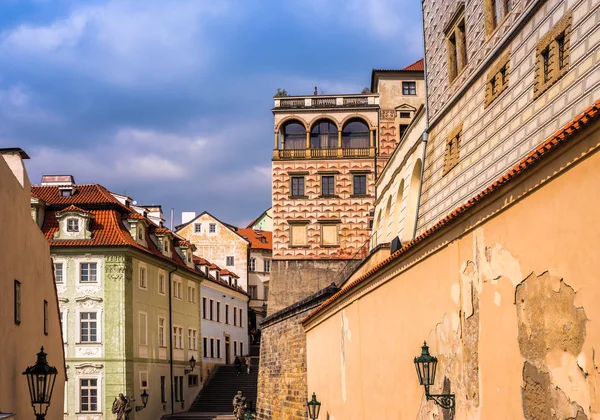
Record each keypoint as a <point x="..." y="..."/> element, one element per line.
<point x="500" y="277"/>
<point x="29" y="309"/>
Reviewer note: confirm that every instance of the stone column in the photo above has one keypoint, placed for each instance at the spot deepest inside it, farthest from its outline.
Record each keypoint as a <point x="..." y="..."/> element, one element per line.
<point x="372" y="142"/>
<point x="276" y="148"/>
<point x="307" y="143"/>
<point x="339" y="151"/>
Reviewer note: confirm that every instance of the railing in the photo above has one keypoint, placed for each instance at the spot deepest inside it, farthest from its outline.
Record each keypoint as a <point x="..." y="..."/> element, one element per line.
<point x="327" y="101"/>
<point x="323" y="153"/>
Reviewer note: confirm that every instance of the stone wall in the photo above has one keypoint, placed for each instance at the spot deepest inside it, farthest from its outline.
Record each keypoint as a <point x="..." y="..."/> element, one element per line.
<point x="282" y="389"/>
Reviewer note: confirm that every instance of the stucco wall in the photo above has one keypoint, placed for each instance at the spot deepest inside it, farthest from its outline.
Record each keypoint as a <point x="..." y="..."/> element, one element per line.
<point x="25" y="257"/>
<point x="506" y="299"/>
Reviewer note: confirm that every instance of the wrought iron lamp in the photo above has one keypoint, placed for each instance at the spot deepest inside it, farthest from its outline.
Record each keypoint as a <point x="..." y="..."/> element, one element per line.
<point x="314" y="407"/>
<point x="192" y="365"/>
<point x="40" y="378"/>
<point x="426" y="365"/>
<point x="144" y="396"/>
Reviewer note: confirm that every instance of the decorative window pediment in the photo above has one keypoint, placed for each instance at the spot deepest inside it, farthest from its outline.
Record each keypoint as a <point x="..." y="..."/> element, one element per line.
<point x="73" y="223"/>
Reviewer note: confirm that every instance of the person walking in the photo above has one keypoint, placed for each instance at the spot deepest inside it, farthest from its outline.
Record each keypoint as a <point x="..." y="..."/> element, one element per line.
<point x="238" y="365"/>
<point x="248" y="364"/>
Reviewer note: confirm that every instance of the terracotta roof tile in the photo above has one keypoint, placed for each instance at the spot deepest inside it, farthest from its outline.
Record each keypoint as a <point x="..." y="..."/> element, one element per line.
<point x="418" y="65"/>
<point x="549" y="145"/>
<point x="82" y="194"/>
<point x="255" y="237"/>
<point x="72" y="207"/>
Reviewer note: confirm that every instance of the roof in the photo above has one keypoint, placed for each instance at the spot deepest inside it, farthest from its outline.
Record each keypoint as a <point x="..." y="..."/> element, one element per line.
<point x="18" y="150"/>
<point x="72" y="207"/>
<point x="84" y="194"/>
<point x="255" y="237"/>
<point x="417" y="66"/>
<point x="264" y="213"/>
<point x="532" y="159"/>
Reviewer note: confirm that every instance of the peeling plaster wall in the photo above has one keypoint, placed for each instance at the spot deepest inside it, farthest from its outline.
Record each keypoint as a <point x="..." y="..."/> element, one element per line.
<point x="507" y="299"/>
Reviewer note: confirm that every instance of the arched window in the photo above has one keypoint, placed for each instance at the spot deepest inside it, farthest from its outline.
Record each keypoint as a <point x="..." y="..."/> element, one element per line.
<point x="411" y="204"/>
<point x="355" y="135"/>
<point x="398" y="206"/>
<point x="323" y="135"/>
<point x="294" y="135"/>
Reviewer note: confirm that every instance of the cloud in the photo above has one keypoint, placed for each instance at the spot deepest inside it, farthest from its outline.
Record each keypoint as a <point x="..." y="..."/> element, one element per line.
<point x="125" y="42"/>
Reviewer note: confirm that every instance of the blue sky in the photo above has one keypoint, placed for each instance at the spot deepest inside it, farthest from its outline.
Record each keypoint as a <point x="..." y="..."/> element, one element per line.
<point x="169" y="101"/>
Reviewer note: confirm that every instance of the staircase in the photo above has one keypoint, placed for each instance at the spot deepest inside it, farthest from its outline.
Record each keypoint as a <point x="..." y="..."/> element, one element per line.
<point x="215" y="400"/>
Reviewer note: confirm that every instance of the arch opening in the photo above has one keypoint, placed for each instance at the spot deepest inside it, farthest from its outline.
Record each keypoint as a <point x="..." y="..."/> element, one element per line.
<point x="324" y="135"/>
<point x="294" y="135"/>
<point x="355" y="135"/>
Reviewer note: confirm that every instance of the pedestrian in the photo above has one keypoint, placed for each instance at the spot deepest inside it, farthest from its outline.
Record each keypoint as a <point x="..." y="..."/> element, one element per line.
<point x="238" y="365"/>
<point x="253" y="335"/>
<point x="248" y="364"/>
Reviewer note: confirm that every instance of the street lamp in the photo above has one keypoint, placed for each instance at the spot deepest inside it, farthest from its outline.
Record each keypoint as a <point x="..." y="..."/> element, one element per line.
<point x="192" y="365"/>
<point x="426" y="365"/>
<point x="249" y="416"/>
<point x="144" y="396"/>
<point x="314" y="407"/>
<point x="40" y="378"/>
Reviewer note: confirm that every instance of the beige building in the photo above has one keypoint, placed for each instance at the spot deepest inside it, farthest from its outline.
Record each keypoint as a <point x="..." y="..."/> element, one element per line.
<point x="500" y="276"/>
<point x="29" y="309"/>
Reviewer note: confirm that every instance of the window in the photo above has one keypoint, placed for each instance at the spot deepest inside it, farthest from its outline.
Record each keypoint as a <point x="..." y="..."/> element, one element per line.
<point x="192" y="380"/>
<point x="452" y="153"/>
<point x="45" y="317"/>
<point x="72" y="225"/>
<point x="17" y="302"/>
<point x="212" y="348"/>
<point x="181" y="388"/>
<point x="204" y="308"/>
<point x="218" y="311"/>
<point x="241" y="348"/>
<point x="360" y="184"/>
<point x="143" y="329"/>
<point x="143" y="283"/>
<point x="253" y="291"/>
<point x="161" y="284"/>
<point x="192" y="294"/>
<point x="267" y="266"/>
<point x="210" y="305"/>
<point x="324" y="135"/>
<point x="402" y="130"/>
<point x="552" y="55"/>
<point x="88" y="389"/>
<point x="409" y="88"/>
<point x="204" y="347"/>
<point x="192" y="339"/>
<point x="140" y="233"/>
<point x="163" y="389"/>
<point x="218" y="348"/>
<point x="298" y="235"/>
<point x="405" y="115"/>
<point x="355" y="135"/>
<point x="166" y="244"/>
<point x="241" y="324"/>
<point x="63" y="325"/>
<point x="177" y="337"/>
<point x="88" y="325"/>
<point x="252" y="264"/>
<point x="495" y="12"/>
<point x="327" y="185"/>
<point x="497" y="80"/>
<point x="176" y="388"/>
<point x="234" y="316"/>
<point x="87" y="273"/>
<point x="212" y="228"/>
<point x="329" y="235"/>
<point x="456" y="43"/>
<point x="198" y="228"/>
<point x="235" y="353"/>
<point x="144" y="380"/>
<point x="58" y="272"/>
<point x="230" y="261"/>
<point x="177" y="289"/>
<point x="294" y="136"/>
<point x="297" y="186"/>
<point x="227" y="314"/>
<point x="161" y="333"/>
<point x="266" y="292"/>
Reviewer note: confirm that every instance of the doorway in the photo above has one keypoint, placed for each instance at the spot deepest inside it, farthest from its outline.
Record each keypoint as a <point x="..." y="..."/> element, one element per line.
<point x="227" y="350"/>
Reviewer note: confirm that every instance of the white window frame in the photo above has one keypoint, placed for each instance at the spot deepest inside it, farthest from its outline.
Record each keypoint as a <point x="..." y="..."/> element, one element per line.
<point x="177" y="288"/>
<point x="197" y="227"/>
<point x="192" y="339"/>
<point x="162" y="283"/>
<point x="143" y="335"/>
<point x="161" y="333"/>
<point x="252" y="264"/>
<point x="212" y="226"/>
<point x="62" y="272"/>
<point x="99" y="272"/>
<point x="76" y="228"/>
<point x="80" y="268"/>
<point x="63" y="324"/>
<point x="98" y="393"/>
<point x="267" y="265"/>
<point x="177" y="337"/>
<point x="143" y="277"/>
<point x="192" y="292"/>
<point x="98" y="313"/>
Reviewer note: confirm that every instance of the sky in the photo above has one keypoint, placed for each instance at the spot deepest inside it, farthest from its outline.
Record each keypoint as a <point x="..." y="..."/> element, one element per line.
<point x="169" y="101"/>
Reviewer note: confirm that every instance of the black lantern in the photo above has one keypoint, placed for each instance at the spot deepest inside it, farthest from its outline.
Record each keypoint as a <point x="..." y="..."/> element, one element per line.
<point x="192" y="365"/>
<point x="144" y="396"/>
<point x="40" y="378"/>
<point x="426" y="365"/>
<point x="314" y="407"/>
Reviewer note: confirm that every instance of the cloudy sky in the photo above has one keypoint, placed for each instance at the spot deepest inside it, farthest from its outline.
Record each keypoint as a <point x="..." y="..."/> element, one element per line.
<point x="168" y="101"/>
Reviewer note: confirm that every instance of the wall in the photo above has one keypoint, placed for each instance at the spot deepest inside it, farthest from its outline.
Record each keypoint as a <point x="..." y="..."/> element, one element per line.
<point x="498" y="136"/>
<point x="25" y="256"/>
<point x="506" y="297"/>
<point x="259" y="278"/>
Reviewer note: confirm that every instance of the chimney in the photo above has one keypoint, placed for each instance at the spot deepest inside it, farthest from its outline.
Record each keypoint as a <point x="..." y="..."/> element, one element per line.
<point x="187" y="216"/>
<point x="14" y="159"/>
<point x="65" y="183"/>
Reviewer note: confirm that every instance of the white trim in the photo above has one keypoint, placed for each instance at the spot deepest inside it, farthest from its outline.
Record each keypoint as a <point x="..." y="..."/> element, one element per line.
<point x="142" y="269"/>
<point x="98" y="312"/>
<point x="99" y="271"/>
<point x="99" y="396"/>
<point x="164" y="344"/>
<point x="164" y="282"/>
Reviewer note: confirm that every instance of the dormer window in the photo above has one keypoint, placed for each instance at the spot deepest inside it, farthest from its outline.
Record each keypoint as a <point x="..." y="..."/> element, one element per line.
<point x="189" y="257"/>
<point x="263" y="240"/>
<point x="140" y="233"/>
<point x="72" y="225"/>
<point x="65" y="193"/>
<point x="166" y="245"/>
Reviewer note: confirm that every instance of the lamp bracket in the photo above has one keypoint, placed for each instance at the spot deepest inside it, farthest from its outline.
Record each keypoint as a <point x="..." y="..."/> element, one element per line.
<point x="446" y="401"/>
<point x="187" y="371"/>
<point x="139" y="407"/>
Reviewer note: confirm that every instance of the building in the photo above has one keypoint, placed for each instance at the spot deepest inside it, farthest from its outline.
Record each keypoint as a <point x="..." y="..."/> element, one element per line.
<point x="128" y="297"/>
<point x="328" y="151"/>
<point x="29" y="309"/>
<point x="224" y="317"/>
<point x="263" y="222"/>
<point x="500" y="277"/>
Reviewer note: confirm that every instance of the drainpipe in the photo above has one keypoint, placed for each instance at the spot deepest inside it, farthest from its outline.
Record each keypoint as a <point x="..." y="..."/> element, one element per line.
<point x="171" y="341"/>
<point x="426" y="133"/>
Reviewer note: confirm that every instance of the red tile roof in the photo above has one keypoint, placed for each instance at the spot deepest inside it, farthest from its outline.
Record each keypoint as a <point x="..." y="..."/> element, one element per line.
<point x="133" y="215"/>
<point x="92" y="194"/>
<point x="418" y="65"/>
<point x="534" y="157"/>
<point x="72" y="207"/>
<point x="255" y="238"/>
